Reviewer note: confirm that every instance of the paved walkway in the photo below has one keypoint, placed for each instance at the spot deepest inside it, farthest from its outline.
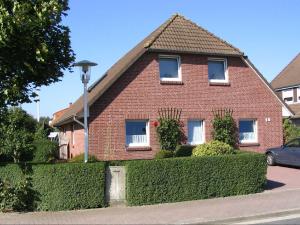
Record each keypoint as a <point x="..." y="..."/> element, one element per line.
<point x="175" y="213"/>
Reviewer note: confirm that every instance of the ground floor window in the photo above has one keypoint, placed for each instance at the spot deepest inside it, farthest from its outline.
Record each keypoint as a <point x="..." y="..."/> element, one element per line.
<point x="195" y="132"/>
<point x="137" y="133"/>
<point x="248" y="131"/>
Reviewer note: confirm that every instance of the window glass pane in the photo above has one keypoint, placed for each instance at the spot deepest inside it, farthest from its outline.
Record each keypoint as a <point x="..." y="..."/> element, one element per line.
<point x="216" y="70"/>
<point x="288" y="95"/>
<point x="168" y="68"/>
<point x="247" y="130"/>
<point x="195" y="131"/>
<point x="136" y="132"/>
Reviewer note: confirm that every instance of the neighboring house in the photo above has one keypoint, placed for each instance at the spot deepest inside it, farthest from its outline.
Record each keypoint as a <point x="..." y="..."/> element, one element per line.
<point x="178" y="65"/>
<point x="287" y="86"/>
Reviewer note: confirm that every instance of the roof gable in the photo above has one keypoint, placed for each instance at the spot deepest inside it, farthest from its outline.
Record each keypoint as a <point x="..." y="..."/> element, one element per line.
<point x="289" y="76"/>
<point x="182" y="35"/>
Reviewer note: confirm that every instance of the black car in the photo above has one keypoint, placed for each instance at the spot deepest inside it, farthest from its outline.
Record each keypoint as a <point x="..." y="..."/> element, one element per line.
<point x="288" y="154"/>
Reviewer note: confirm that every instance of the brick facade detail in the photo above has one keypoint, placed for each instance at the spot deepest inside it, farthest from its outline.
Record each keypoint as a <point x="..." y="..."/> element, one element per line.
<point x="138" y="94"/>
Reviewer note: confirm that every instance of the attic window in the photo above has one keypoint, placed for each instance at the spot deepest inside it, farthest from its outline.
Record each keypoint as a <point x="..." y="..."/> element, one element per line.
<point x="169" y="68"/>
<point x="217" y="70"/>
<point x="288" y="96"/>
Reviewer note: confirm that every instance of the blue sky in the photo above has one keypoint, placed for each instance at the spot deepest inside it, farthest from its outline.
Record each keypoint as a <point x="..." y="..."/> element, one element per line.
<point x="268" y="31"/>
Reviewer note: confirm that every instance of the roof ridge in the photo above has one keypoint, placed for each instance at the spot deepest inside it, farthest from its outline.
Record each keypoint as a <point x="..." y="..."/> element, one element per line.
<point x="211" y="34"/>
<point x="163" y="28"/>
<point x="279" y="74"/>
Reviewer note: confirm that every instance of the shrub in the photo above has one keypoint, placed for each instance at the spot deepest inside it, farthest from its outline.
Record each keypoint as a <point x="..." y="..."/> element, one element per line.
<point x="17" y="197"/>
<point x="62" y="186"/>
<point x="184" y="150"/>
<point x="224" y="127"/>
<point x="213" y="148"/>
<point x="80" y="158"/>
<point x="290" y="131"/>
<point x="181" y="179"/>
<point x="45" y="150"/>
<point x="164" y="154"/>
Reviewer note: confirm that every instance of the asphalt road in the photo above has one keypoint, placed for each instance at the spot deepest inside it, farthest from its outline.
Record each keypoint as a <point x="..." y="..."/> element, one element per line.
<point x="287" y="219"/>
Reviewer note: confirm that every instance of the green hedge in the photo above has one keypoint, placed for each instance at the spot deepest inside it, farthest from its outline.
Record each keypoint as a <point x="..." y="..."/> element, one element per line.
<point x="63" y="186"/>
<point x="180" y="179"/>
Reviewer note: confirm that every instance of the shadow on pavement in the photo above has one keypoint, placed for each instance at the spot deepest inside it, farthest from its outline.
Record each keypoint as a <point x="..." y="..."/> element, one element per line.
<point x="271" y="184"/>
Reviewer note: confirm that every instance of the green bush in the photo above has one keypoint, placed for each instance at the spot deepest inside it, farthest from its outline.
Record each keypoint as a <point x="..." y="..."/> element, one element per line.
<point x="290" y="131"/>
<point x="45" y="150"/>
<point x="213" y="148"/>
<point x="184" y="150"/>
<point x="61" y="186"/>
<point x="80" y="158"/>
<point x="162" y="154"/>
<point x="181" y="179"/>
<point x="170" y="133"/>
<point x="224" y="127"/>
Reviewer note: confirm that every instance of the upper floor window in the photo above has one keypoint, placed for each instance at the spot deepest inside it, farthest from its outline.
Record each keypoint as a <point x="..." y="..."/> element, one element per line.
<point x="288" y="95"/>
<point x="169" y="68"/>
<point x="195" y="132"/>
<point x="248" y="131"/>
<point x="217" y="70"/>
<point x="298" y="94"/>
<point x="137" y="133"/>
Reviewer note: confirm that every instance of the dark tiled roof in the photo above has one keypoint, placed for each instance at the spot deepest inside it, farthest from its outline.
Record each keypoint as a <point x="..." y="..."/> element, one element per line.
<point x="175" y="35"/>
<point x="182" y="35"/>
<point x="289" y="76"/>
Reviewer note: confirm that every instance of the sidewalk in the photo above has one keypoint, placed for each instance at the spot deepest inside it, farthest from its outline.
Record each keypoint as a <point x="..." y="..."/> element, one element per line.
<point x="191" y="212"/>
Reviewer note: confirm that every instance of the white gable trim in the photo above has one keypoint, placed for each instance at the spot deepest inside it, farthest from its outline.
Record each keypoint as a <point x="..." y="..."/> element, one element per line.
<point x="286" y="112"/>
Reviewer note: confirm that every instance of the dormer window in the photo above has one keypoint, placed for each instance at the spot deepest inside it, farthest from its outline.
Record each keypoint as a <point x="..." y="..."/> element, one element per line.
<point x="288" y="96"/>
<point x="217" y="70"/>
<point x="169" y="68"/>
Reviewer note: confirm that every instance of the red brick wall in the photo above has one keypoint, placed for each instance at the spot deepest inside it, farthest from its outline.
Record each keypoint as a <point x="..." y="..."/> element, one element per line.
<point x="76" y="138"/>
<point x="138" y="94"/>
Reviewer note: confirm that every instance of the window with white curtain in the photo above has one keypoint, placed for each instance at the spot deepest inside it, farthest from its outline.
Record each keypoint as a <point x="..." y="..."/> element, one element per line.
<point x="195" y="132"/>
<point x="288" y="95"/>
<point x="137" y="133"/>
<point x="248" y="131"/>
<point x="298" y="94"/>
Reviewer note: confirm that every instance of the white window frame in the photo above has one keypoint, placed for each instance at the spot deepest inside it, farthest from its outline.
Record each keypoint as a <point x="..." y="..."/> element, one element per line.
<point x="255" y="132"/>
<point x="224" y="60"/>
<point x="288" y="93"/>
<point x="177" y="57"/>
<point x="298" y="94"/>
<point x="203" y="131"/>
<point x="147" y="144"/>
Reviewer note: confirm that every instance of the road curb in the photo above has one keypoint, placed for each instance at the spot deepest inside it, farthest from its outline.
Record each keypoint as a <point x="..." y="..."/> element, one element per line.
<point x="252" y="217"/>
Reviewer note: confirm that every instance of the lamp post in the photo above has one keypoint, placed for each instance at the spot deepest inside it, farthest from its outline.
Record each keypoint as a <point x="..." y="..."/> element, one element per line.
<point x="85" y="75"/>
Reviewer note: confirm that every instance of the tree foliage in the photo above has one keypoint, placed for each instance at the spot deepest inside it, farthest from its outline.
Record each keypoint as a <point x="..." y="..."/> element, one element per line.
<point x="34" y="47"/>
<point x="17" y="133"/>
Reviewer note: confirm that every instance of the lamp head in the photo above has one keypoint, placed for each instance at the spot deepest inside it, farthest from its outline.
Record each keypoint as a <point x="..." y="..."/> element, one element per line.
<point x="85" y="66"/>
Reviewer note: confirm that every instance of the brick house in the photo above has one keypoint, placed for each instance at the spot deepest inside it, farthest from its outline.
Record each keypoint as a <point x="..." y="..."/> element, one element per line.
<point x="287" y="85"/>
<point x="178" y="65"/>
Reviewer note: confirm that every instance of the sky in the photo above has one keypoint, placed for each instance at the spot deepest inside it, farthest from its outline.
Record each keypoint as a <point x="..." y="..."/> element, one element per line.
<point x="102" y="31"/>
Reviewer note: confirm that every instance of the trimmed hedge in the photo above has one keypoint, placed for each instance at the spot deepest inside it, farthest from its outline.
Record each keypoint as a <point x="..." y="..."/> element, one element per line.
<point x="181" y="179"/>
<point x="62" y="186"/>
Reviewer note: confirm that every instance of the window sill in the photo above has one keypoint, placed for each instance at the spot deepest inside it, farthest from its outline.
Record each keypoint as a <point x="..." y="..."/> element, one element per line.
<point x="171" y="82"/>
<point x="138" y="148"/>
<point x="219" y="83"/>
<point x="249" y="144"/>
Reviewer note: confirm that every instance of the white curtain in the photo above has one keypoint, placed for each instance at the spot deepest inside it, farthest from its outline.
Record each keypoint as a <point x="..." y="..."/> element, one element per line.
<point x="195" y="131"/>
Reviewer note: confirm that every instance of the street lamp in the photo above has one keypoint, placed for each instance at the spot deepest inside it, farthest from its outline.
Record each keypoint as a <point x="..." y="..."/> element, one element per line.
<point x="85" y="75"/>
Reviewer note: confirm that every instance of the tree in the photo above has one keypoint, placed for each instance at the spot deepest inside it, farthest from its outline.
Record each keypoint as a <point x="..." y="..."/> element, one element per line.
<point x="17" y="133"/>
<point x="290" y="131"/>
<point x="34" y="47"/>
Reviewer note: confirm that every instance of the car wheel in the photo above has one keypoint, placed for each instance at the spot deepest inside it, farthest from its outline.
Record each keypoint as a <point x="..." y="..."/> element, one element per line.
<point x="270" y="159"/>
